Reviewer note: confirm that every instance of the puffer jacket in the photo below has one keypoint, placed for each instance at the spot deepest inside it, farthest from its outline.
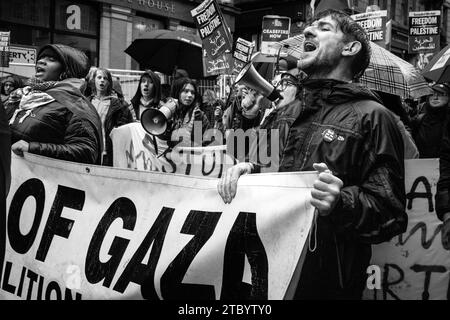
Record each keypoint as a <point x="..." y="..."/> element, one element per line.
<point x="68" y="128"/>
<point x="344" y="126"/>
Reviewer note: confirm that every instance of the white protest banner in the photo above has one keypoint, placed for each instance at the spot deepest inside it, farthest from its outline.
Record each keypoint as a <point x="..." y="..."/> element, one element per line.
<point x="374" y="23"/>
<point x="88" y="232"/>
<point x="424" y="31"/>
<point x="220" y="65"/>
<point x="414" y="265"/>
<point x="212" y="27"/>
<point x="4" y="48"/>
<point x="242" y="54"/>
<point x="134" y="148"/>
<point x="274" y="29"/>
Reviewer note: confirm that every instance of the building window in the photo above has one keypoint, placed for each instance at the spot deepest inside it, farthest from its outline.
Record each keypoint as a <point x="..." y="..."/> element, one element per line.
<point x="76" y="17"/>
<point x="39" y="22"/>
<point x="32" y="12"/>
<point x="392" y="13"/>
<point x="24" y="35"/>
<point x="189" y="29"/>
<point x="87" y="45"/>
<point x="404" y="6"/>
<point x="142" y="25"/>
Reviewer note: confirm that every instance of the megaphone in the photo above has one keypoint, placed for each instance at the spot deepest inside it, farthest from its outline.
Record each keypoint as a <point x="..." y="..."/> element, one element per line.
<point x="252" y="79"/>
<point x="154" y="121"/>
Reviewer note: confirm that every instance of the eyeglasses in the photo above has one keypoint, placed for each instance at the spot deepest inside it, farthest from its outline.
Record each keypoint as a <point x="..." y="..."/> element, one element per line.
<point x="284" y="83"/>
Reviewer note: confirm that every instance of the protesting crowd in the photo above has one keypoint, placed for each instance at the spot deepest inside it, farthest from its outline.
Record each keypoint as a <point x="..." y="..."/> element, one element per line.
<point x="356" y="138"/>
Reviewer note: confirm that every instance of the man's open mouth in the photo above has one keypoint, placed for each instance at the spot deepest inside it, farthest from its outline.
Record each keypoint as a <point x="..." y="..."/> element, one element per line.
<point x="39" y="69"/>
<point x="309" y="46"/>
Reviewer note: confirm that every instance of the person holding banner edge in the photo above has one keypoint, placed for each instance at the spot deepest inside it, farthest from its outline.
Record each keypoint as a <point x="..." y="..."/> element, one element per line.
<point x="345" y="134"/>
<point x="53" y="118"/>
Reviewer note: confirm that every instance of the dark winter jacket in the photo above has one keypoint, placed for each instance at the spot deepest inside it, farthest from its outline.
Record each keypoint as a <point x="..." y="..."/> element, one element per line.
<point x="344" y="126"/>
<point x="68" y="128"/>
<point x="118" y="114"/>
<point x="5" y="178"/>
<point x="443" y="186"/>
<point x="428" y="130"/>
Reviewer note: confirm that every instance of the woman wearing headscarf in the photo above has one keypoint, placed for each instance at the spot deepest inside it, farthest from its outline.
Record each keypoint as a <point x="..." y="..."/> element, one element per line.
<point x="148" y="93"/>
<point x="113" y="111"/>
<point x="184" y="90"/>
<point x="53" y="118"/>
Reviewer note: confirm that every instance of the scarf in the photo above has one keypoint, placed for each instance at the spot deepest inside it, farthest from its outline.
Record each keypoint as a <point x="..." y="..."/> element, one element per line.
<point x="32" y="96"/>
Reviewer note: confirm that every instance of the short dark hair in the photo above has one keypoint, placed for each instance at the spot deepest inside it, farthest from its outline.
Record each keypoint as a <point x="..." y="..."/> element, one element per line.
<point x="352" y="31"/>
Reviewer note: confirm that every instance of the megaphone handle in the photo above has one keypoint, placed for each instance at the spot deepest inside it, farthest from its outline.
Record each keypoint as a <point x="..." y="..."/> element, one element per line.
<point x="274" y="95"/>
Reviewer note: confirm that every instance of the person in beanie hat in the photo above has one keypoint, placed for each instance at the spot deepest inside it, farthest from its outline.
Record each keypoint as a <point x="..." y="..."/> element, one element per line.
<point x="52" y="117"/>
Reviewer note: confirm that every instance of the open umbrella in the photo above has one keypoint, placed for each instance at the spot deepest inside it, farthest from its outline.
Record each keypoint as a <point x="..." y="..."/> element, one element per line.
<point x="438" y="69"/>
<point x="165" y="50"/>
<point x="391" y="74"/>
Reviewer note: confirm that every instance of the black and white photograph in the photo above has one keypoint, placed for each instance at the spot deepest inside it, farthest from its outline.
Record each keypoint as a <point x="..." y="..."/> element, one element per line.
<point x="227" y="156"/>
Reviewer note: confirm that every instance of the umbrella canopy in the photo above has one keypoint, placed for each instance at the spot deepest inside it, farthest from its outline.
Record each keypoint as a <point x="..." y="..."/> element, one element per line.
<point x="391" y="74"/>
<point x="165" y="50"/>
<point x="438" y="69"/>
<point x="293" y="46"/>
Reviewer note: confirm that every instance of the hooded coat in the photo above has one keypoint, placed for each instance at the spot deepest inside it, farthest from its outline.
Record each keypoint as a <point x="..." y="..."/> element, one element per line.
<point x="69" y="127"/>
<point x="344" y="126"/>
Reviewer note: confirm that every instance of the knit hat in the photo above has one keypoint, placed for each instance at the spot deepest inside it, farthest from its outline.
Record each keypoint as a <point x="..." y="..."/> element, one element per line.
<point x="441" y="88"/>
<point x="75" y="62"/>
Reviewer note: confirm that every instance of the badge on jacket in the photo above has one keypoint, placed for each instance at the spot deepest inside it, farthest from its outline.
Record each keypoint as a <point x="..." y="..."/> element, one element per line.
<point x="329" y="135"/>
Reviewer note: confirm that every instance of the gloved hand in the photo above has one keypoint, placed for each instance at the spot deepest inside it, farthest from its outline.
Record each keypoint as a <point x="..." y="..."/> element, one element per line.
<point x="218" y="113"/>
<point x="197" y="114"/>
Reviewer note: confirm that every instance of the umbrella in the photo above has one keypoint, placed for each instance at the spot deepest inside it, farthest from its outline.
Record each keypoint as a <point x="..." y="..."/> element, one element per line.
<point x="293" y="46"/>
<point x="438" y="69"/>
<point x="391" y="74"/>
<point x="165" y="50"/>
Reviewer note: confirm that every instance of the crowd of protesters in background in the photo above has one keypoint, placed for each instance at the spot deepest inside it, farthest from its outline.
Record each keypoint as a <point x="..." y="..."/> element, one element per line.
<point x="422" y="126"/>
<point x="68" y="110"/>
